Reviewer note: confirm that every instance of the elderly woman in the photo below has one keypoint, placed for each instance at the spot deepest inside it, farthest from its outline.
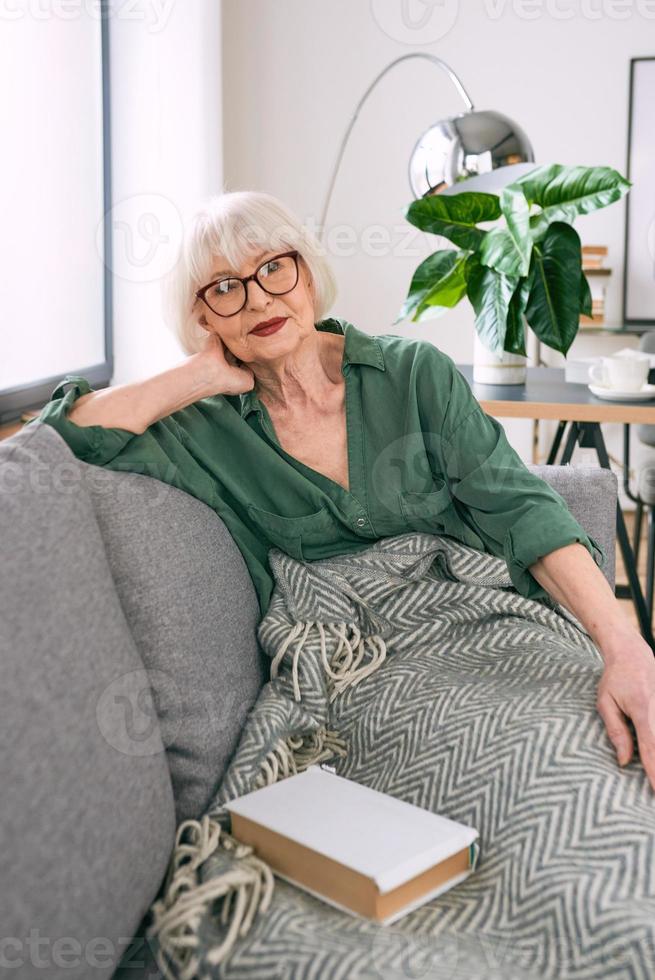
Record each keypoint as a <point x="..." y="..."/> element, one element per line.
<point x="305" y="433"/>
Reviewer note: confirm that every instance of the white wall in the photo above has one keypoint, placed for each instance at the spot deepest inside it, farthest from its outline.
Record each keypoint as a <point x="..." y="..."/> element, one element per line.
<point x="295" y="69"/>
<point x="166" y="157"/>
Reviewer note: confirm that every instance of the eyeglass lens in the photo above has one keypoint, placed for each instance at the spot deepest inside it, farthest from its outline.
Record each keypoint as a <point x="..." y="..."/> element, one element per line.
<point x="276" y="276"/>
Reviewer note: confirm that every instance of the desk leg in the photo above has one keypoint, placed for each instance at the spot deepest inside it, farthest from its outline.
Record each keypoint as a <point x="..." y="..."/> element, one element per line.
<point x="590" y="433"/>
<point x="571" y="443"/>
<point x="556" y="443"/>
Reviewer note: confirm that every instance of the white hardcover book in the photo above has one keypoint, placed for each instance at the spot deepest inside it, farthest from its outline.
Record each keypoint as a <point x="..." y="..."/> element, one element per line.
<point x="361" y="850"/>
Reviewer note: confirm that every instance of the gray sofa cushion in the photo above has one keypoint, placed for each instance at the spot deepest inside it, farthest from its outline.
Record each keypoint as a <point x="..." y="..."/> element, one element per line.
<point x="193" y="612"/>
<point x="591" y="494"/>
<point x="87" y="821"/>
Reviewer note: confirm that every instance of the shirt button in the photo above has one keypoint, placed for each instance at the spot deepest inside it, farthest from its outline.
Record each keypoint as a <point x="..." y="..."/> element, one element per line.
<point x="361" y="521"/>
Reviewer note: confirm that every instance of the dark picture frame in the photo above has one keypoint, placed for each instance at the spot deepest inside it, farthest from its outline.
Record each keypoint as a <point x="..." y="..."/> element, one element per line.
<point x="15" y="401"/>
<point x="639" y="242"/>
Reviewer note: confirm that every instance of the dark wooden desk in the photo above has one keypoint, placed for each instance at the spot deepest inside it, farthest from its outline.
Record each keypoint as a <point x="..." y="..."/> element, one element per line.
<point x="546" y="395"/>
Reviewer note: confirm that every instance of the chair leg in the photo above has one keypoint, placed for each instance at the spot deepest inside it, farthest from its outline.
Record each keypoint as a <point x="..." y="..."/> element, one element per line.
<point x="650" y="561"/>
<point x="637" y="529"/>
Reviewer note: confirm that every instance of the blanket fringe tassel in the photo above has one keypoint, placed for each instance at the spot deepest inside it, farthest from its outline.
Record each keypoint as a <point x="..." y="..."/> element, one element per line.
<point x="245" y="889"/>
<point x="296" y="753"/>
<point x="345" y="667"/>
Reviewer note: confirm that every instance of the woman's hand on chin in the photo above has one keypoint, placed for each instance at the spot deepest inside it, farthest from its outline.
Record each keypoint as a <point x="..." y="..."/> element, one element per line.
<point x="218" y="370"/>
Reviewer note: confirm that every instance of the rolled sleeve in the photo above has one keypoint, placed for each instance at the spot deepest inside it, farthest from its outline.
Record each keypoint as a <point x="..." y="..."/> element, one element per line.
<point x="90" y="443"/>
<point x="517" y="515"/>
<point x="536" y="535"/>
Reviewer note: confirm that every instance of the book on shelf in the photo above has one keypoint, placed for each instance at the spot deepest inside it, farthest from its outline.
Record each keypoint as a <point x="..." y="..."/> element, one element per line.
<point x="361" y="850"/>
<point x="593" y="256"/>
<point x="587" y="321"/>
<point x="598" y="288"/>
<point x="597" y="312"/>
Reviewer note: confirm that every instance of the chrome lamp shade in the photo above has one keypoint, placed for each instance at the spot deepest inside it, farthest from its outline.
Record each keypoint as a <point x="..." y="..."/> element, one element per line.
<point x="469" y="147"/>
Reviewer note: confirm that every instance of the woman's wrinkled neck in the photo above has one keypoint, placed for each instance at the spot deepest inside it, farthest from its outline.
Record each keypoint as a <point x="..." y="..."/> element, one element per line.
<point x="305" y="377"/>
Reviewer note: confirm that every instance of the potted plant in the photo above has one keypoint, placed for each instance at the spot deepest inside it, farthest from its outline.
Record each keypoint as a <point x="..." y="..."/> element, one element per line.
<point x="517" y="258"/>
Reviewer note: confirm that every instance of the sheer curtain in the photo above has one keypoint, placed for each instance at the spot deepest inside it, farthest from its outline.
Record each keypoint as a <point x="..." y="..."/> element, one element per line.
<point x="52" y="193"/>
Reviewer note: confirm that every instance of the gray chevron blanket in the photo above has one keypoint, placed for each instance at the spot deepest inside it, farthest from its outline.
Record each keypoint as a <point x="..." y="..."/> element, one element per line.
<point x="415" y="667"/>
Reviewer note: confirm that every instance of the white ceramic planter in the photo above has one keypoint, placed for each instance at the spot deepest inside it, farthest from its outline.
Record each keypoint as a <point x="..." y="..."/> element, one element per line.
<point x="497" y="369"/>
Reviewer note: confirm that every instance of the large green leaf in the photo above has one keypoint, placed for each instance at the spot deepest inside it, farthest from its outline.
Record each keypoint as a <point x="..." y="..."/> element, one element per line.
<point x="490" y="293"/>
<point x="424" y="313"/>
<point x="516" y="211"/>
<point x="515" y="336"/>
<point x="563" y="193"/>
<point x="436" y="275"/>
<point x="553" y="306"/>
<point x="455" y="216"/>
<point x="508" y="249"/>
<point x="447" y="291"/>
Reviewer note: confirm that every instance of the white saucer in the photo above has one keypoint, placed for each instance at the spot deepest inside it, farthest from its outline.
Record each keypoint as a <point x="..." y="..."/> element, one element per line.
<point x="614" y="395"/>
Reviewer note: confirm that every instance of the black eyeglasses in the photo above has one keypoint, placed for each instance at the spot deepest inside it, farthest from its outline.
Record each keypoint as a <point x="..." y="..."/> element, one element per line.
<point x="228" y="296"/>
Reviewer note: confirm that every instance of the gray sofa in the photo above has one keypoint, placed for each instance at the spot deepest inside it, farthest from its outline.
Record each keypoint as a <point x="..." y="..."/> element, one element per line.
<point x="131" y="661"/>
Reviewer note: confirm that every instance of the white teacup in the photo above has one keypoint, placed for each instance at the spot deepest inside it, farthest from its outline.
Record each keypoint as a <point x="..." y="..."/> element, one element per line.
<point x="621" y="372"/>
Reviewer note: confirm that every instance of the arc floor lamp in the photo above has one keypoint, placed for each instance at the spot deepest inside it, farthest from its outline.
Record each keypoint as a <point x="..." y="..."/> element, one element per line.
<point x="482" y="147"/>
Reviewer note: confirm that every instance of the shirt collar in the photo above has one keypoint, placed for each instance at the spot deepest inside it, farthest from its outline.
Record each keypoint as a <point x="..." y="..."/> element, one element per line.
<point x="359" y="348"/>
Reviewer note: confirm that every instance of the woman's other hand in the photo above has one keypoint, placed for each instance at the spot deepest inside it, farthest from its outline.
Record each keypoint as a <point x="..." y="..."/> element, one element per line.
<point x="627" y="691"/>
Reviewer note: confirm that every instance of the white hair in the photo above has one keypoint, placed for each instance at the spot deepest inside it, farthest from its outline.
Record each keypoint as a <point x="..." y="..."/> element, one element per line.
<point x="232" y="225"/>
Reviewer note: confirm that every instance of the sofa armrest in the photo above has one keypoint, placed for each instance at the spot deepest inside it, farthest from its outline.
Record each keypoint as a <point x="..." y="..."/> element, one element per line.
<point x="591" y="494"/>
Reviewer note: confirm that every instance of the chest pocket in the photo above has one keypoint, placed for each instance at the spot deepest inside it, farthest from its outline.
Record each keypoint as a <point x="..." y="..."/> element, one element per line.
<point x="292" y="534"/>
<point x="425" y="510"/>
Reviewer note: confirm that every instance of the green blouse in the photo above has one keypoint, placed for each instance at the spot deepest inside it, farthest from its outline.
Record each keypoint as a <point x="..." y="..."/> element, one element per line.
<point x="422" y="456"/>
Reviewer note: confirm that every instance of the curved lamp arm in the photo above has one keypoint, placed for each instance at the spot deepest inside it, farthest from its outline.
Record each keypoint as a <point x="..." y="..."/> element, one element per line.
<point x="415" y="54"/>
